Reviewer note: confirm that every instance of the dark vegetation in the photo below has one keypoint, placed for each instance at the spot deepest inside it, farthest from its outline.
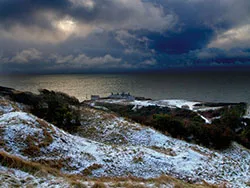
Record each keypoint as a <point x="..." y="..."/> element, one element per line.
<point x="63" y="111"/>
<point x="187" y="125"/>
<point x="57" y="108"/>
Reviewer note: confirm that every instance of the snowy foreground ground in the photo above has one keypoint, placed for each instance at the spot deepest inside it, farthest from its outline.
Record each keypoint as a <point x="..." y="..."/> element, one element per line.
<point x="111" y="146"/>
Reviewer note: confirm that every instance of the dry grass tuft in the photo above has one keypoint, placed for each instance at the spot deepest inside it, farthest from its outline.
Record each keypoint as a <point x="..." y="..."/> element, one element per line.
<point x="75" y="180"/>
<point x="26" y="166"/>
<point x="47" y="139"/>
<point x="33" y="144"/>
<point x="247" y="183"/>
<point x="58" y="164"/>
<point x="130" y="185"/>
<point x="137" y="159"/>
<point x="47" y="136"/>
<point x="34" y="168"/>
<point x="77" y="184"/>
<point x="6" y="102"/>
<point x="135" y="182"/>
<point x="167" y="151"/>
<point x="32" y="148"/>
<point x="196" y="149"/>
<point x="99" y="185"/>
<point x="2" y="142"/>
<point x="88" y="171"/>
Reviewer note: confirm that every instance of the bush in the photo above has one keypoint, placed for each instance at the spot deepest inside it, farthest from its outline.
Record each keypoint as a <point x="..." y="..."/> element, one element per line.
<point x="167" y="123"/>
<point x="60" y="96"/>
<point x="232" y="117"/>
<point x="25" y="98"/>
<point x="56" y="108"/>
<point x="244" y="137"/>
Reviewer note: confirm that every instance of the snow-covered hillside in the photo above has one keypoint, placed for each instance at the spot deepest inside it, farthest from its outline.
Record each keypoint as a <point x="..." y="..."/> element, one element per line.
<point x="139" y="151"/>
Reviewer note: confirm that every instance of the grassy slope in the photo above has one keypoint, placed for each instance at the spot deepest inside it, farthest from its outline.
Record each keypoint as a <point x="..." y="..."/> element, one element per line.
<point x="144" y="153"/>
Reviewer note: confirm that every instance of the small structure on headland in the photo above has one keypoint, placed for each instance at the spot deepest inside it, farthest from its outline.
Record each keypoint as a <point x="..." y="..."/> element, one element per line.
<point x="122" y="95"/>
<point x="95" y="97"/>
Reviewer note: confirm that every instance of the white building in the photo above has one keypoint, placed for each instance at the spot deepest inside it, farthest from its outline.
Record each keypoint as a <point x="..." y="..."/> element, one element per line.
<point x="95" y="97"/>
<point x="122" y="95"/>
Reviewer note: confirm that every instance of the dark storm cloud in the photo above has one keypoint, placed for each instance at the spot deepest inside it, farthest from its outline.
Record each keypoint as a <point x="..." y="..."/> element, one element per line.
<point x="24" y="11"/>
<point x="123" y="34"/>
<point x="181" y="42"/>
<point x="110" y="12"/>
<point x="220" y="14"/>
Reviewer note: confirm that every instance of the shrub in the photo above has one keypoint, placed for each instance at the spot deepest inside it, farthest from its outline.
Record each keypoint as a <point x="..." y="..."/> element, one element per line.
<point x="231" y="117"/>
<point x="244" y="137"/>
<point x="169" y="123"/>
<point x="25" y="97"/>
<point x="55" y="107"/>
<point x="59" y="95"/>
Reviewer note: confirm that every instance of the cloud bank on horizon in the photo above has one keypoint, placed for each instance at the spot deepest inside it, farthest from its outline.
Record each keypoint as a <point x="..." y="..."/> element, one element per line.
<point x="122" y="35"/>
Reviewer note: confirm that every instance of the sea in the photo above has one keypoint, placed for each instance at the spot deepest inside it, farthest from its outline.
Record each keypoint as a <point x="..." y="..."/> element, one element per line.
<point x="210" y="86"/>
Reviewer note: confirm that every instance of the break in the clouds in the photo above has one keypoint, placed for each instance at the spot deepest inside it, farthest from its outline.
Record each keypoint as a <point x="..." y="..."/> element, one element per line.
<point x="110" y="35"/>
<point x="55" y="21"/>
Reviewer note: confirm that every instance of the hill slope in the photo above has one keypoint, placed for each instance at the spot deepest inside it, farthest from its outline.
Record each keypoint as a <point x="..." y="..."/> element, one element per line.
<point x="144" y="153"/>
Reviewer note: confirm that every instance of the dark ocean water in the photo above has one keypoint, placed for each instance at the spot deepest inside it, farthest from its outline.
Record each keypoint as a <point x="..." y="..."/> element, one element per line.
<point x="203" y="86"/>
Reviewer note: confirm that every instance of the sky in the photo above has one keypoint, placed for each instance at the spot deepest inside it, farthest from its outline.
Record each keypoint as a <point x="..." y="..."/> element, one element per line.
<point x="74" y="36"/>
